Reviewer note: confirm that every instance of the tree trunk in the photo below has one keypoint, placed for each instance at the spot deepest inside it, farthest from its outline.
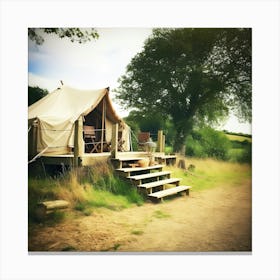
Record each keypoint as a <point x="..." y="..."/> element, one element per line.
<point x="179" y="142"/>
<point x="182" y="131"/>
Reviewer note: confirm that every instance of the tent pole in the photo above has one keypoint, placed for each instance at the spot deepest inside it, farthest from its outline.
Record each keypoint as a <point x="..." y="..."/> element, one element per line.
<point x="114" y="149"/>
<point x="103" y="120"/>
<point x="78" y="141"/>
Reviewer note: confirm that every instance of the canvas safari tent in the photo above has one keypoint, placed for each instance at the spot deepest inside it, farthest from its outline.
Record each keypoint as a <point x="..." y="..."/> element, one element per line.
<point x="51" y="122"/>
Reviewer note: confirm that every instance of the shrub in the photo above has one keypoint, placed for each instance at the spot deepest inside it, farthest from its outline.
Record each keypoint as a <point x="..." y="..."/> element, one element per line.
<point x="208" y="142"/>
<point x="242" y="154"/>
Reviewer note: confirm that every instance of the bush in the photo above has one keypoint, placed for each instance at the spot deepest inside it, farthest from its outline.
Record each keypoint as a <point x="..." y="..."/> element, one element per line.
<point x="241" y="153"/>
<point x="208" y="142"/>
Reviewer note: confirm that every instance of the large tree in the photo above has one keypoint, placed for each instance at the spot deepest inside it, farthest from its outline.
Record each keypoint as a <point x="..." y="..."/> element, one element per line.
<point x="80" y="35"/>
<point x="35" y="94"/>
<point x="192" y="75"/>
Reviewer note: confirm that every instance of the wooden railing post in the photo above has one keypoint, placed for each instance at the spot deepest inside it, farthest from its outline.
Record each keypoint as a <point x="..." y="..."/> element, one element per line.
<point x="159" y="141"/>
<point x="103" y="125"/>
<point x="163" y="143"/>
<point x="78" y="141"/>
<point x="114" y="148"/>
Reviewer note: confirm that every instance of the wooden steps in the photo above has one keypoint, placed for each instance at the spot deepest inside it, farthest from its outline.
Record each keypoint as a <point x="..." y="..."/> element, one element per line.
<point x="156" y="175"/>
<point x="161" y="194"/>
<point x="160" y="183"/>
<point x="150" y="180"/>
<point x="126" y="172"/>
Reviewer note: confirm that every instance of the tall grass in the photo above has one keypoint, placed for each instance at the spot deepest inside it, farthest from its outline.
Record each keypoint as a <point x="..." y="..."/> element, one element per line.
<point x="210" y="173"/>
<point x="85" y="189"/>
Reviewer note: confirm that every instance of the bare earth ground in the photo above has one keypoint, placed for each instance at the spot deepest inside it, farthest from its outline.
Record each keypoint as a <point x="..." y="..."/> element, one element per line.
<point x="218" y="219"/>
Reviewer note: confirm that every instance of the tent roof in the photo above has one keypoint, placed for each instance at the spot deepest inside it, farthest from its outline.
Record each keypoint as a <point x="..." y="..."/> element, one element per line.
<point x="66" y="103"/>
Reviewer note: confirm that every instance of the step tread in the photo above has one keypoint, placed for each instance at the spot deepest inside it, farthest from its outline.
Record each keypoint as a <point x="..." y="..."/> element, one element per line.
<point x="159" y="183"/>
<point x="127" y="159"/>
<point x="132" y="169"/>
<point x="170" y="191"/>
<point x="166" y="156"/>
<point x="149" y="175"/>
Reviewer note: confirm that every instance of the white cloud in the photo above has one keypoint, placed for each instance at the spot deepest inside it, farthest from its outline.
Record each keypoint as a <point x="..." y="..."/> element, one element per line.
<point x="233" y="125"/>
<point x="96" y="64"/>
<point x="42" y="82"/>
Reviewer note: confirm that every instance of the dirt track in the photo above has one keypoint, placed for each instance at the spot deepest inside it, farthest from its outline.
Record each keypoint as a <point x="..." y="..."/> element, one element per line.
<point x="213" y="220"/>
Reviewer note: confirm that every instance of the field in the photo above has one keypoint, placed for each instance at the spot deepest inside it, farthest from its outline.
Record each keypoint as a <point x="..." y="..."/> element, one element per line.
<point x="215" y="217"/>
<point x="239" y="138"/>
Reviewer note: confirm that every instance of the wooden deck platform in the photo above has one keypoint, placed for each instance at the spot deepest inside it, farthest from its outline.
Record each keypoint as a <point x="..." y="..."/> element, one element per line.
<point x="88" y="159"/>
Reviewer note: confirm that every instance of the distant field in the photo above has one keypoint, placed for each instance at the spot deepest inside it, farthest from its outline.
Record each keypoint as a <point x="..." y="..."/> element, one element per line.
<point x="210" y="173"/>
<point x="238" y="138"/>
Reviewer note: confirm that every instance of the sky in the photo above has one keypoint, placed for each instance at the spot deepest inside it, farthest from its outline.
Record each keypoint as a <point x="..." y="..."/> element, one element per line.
<point x="94" y="65"/>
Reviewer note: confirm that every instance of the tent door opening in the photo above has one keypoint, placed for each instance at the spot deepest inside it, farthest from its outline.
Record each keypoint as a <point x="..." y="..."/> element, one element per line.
<point x="94" y="130"/>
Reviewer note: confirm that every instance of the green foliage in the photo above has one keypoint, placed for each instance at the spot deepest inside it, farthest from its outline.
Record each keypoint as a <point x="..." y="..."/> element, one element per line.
<point x="208" y="142"/>
<point x="141" y="121"/>
<point x="241" y="151"/>
<point x="190" y="76"/>
<point x="35" y="94"/>
<point x="101" y="176"/>
<point x="80" y="35"/>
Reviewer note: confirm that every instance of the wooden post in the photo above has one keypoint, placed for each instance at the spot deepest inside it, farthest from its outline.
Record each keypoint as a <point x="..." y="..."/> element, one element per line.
<point x="163" y="143"/>
<point x="78" y="141"/>
<point x="159" y="141"/>
<point x="103" y="122"/>
<point x="114" y="148"/>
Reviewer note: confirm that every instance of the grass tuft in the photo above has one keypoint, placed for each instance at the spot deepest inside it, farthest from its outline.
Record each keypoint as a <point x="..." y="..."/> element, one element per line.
<point x="85" y="189"/>
<point x="137" y="232"/>
<point x="161" y="215"/>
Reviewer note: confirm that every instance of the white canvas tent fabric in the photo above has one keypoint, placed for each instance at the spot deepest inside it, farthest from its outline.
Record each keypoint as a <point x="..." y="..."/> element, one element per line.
<point x="57" y="112"/>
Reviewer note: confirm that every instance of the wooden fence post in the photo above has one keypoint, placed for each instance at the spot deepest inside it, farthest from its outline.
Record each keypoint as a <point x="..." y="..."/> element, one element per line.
<point x="114" y="148"/>
<point x="159" y="141"/>
<point x="78" y="141"/>
<point x="163" y="143"/>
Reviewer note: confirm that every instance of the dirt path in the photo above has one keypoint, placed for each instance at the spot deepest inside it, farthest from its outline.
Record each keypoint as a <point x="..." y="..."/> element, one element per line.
<point x="213" y="220"/>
